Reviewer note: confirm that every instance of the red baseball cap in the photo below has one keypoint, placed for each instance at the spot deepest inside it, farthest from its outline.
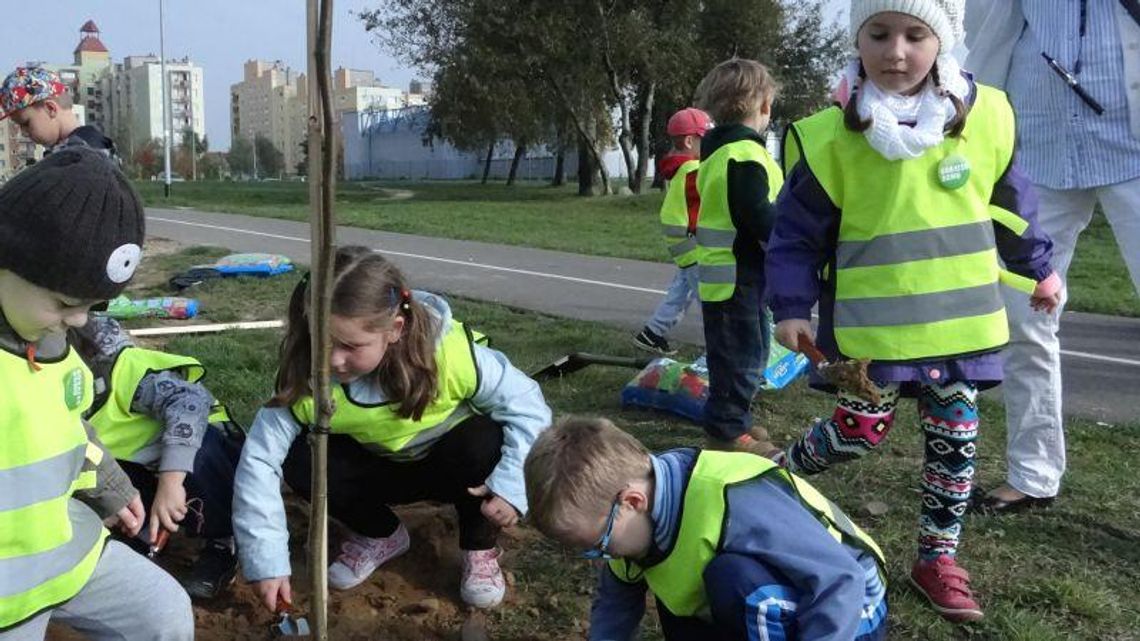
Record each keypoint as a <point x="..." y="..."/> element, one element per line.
<point x="689" y="122"/>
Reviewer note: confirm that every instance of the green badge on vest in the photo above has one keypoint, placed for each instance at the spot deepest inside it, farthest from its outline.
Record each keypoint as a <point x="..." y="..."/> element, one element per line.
<point x="73" y="388"/>
<point x="953" y="171"/>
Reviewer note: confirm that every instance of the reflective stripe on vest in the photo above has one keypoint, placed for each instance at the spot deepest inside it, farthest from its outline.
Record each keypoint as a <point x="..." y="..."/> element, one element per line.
<point x="675" y="215"/>
<point x="378" y="427"/>
<point x="715" y="231"/>
<point x="49" y="542"/>
<point x="123" y="431"/>
<point x="678" y="580"/>
<point x="916" y="266"/>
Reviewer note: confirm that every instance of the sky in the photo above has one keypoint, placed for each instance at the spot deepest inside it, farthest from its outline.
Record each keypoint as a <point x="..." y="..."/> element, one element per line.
<point x="218" y="35"/>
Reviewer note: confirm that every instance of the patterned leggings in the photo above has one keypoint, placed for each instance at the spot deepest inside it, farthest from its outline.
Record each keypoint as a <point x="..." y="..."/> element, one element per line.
<point x="949" y="418"/>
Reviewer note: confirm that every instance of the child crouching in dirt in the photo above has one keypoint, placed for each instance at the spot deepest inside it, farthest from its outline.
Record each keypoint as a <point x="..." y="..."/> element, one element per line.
<point x="732" y="546"/>
<point x="423" y="413"/>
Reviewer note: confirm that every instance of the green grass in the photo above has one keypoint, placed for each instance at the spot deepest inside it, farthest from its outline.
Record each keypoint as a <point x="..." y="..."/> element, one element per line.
<point x="1063" y="573"/>
<point x="535" y="215"/>
<point x="529" y="214"/>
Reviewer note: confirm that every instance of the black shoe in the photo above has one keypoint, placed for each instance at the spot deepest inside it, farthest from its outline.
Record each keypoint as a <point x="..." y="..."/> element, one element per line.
<point x="651" y="342"/>
<point x="213" y="571"/>
<point x="982" y="502"/>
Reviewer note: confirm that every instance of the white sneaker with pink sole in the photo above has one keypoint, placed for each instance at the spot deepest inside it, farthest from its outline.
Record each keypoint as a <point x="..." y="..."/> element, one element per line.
<point x="361" y="555"/>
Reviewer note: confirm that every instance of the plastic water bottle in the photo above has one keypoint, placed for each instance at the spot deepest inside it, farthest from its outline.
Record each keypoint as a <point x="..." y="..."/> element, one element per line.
<point x="166" y="307"/>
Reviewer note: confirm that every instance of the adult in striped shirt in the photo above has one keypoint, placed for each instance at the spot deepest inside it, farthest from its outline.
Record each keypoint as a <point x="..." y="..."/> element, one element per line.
<point x="1080" y="151"/>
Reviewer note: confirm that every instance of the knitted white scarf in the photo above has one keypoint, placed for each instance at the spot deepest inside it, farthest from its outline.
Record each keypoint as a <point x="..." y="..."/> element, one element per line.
<point x="928" y="110"/>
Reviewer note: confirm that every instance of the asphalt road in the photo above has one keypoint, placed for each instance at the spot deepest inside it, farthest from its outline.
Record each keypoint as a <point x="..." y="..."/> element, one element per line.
<point x="1101" y="354"/>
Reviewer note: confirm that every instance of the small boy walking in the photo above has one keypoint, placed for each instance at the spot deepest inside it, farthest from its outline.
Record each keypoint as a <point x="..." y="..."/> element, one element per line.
<point x="732" y="546"/>
<point x="737" y="181"/>
<point x="679" y="213"/>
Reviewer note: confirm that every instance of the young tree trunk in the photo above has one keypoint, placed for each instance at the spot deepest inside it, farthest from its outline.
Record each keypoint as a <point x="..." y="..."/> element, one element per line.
<point x="645" y="118"/>
<point x="585" y="168"/>
<point x="619" y="96"/>
<point x="520" y="151"/>
<point x="487" y="162"/>
<point x="559" y="178"/>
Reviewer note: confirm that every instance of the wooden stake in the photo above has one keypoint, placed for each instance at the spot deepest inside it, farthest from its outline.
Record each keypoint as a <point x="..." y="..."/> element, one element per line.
<point x="322" y="185"/>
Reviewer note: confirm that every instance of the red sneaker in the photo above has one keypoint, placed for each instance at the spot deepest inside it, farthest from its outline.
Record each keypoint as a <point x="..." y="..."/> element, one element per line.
<point x="947" y="587"/>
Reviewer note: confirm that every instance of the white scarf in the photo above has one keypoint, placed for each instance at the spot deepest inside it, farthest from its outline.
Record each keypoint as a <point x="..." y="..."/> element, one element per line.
<point x="927" y="109"/>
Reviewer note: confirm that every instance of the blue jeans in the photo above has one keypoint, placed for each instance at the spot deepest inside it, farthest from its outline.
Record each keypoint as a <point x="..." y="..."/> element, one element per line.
<point x="736" y="339"/>
<point x="209" y="486"/>
<point x="749" y="601"/>
<point x="681" y="293"/>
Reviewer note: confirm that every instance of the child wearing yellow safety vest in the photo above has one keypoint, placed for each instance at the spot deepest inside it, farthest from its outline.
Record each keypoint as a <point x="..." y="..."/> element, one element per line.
<point x="423" y="412"/>
<point x="737" y="181"/>
<point x="899" y="204"/>
<point x="71" y="230"/>
<point x="731" y="545"/>
<point x="177" y="444"/>
<point x="679" y="213"/>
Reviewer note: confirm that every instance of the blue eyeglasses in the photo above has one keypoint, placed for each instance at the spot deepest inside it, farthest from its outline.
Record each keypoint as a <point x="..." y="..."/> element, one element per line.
<point x="600" y="549"/>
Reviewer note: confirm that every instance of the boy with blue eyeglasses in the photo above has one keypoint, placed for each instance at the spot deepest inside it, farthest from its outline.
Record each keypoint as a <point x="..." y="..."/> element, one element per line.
<point x="732" y="546"/>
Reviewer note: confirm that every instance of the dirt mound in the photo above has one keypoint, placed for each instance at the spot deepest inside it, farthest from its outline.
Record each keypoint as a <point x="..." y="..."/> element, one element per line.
<point x="414" y="598"/>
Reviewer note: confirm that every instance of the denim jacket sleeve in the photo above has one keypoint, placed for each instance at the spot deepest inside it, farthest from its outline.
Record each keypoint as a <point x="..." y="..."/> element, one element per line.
<point x="259" y="512"/>
<point x="512" y="399"/>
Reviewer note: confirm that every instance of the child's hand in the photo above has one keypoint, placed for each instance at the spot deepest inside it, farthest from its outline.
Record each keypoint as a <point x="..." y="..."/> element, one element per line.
<point x="496" y="510"/>
<point x="169" y="507"/>
<point x="273" y="590"/>
<point x="130" y="518"/>
<point x="789" y="330"/>
<point x="1046" y="296"/>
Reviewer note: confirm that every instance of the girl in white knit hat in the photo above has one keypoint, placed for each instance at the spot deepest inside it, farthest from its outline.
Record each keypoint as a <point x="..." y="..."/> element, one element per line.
<point x="898" y="205"/>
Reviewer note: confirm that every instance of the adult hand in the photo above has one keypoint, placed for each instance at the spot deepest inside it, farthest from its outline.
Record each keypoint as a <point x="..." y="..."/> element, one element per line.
<point x="130" y="518"/>
<point x="788" y="332"/>
<point x="1046" y="296"/>
<point x="273" y="590"/>
<point x="496" y="510"/>
<point x="169" y="507"/>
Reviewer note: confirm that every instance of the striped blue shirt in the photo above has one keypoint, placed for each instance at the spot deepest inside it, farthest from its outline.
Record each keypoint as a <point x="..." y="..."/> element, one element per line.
<point x="1063" y="144"/>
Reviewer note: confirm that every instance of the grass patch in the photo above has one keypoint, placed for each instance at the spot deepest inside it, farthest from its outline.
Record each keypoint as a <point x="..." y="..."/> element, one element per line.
<point x="1063" y="573"/>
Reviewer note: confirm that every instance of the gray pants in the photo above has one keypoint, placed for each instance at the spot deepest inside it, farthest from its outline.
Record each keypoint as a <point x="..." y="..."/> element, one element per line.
<point x="128" y="597"/>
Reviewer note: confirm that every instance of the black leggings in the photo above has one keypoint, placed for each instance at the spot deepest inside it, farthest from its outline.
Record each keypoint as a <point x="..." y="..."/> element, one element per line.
<point x="361" y="484"/>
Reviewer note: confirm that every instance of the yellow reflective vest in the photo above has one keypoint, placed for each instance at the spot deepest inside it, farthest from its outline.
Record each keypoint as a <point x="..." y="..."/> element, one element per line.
<point x="382" y="431"/>
<point x="123" y="431"/>
<point x="916" y="265"/>
<point x="715" y="230"/>
<point x="49" y="542"/>
<point x="679" y="212"/>
<point x="678" y="580"/>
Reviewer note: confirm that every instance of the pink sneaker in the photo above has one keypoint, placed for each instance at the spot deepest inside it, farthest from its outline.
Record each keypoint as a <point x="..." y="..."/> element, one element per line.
<point x="947" y="587"/>
<point x="482" y="585"/>
<point x="361" y="555"/>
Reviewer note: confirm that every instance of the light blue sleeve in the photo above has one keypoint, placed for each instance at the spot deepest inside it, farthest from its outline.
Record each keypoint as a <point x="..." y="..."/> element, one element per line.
<point x="512" y="399"/>
<point x="260" y="530"/>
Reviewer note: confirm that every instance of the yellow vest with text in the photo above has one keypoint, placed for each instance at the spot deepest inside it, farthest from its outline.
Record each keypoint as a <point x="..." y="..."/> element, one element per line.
<point x="123" y="431"/>
<point x="678" y="580"/>
<point x="378" y="427"/>
<point x="715" y="231"/>
<point x="675" y="216"/>
<point x="49" y="542"/>
<point x="916" y="265"/>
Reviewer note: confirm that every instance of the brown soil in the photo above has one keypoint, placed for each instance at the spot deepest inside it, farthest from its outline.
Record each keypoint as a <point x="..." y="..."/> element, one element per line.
<point x="414" y="598"/>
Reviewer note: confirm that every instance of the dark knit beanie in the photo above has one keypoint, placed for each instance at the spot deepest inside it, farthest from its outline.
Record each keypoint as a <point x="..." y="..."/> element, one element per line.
<point x="72" y="224"/>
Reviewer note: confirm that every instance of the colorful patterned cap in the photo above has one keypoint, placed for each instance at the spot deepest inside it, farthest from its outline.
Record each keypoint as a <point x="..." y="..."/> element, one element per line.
<point x="26" y="86"/>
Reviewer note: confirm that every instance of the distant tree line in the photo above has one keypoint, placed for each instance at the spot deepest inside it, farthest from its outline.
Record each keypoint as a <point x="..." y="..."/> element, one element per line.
<point x="586" y="74"/>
